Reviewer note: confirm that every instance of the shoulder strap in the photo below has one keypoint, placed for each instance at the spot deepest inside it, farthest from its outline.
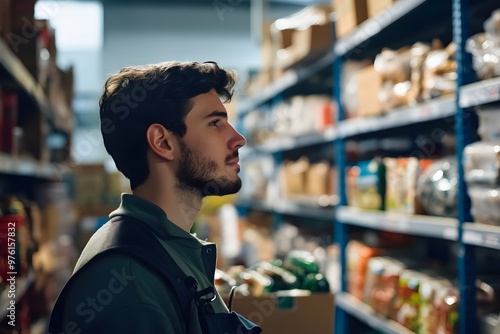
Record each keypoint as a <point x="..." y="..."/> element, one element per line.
<point x="128" y="235"/>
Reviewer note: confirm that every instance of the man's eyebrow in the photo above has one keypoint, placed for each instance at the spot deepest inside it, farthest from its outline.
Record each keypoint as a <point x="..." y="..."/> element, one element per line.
<point x="217" y="114"/>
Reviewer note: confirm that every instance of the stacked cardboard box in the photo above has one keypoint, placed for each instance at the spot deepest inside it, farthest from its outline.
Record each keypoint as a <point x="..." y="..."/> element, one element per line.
<point x="351" y="13"/>
<point x="302" y="37"/>
<point x="312" y="313"/>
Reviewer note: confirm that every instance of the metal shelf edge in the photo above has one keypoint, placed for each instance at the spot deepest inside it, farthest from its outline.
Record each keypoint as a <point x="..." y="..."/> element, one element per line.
<point x="290" y="208"/>
<point x="427" y="111"/>
<point x="300" y="141"/>
<point x="483" y="235"/>
<point x="368" y="315"/>
<point x="289" y="79"/>
<point x="373" y="26"/>
<point x="31" y="168"/>
<point x="480" y="92"/>
<point x="25" y="80"/>
<point x="437" y="227"/>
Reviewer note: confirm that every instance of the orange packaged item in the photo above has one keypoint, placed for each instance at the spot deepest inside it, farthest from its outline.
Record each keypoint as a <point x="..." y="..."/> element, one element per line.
<point x="358" y="255"/>
<point x="401" y="184"/>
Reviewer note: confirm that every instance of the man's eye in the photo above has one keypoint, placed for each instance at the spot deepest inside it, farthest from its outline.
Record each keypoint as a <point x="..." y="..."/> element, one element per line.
<point x="214" y="123"/>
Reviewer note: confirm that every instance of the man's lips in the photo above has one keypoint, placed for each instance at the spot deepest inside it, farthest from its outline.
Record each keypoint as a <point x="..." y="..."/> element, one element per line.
<point x="234" y="162"/>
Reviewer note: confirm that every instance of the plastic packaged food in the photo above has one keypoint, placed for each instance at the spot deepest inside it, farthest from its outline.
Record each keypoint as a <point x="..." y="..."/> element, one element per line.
<point x="486" y="55"/>
<point x="301" y="263"/>
<point x="358" y="255"/>
<point x="438" y="187"/>
<point x="366" y="185"/>
<point x="381" y="284"/>
<point x="401" y="184"/>
<point x="282" y="278"/>
<point x="485" y="48"/>
<point x="430" y="306"/>
<point x="394" y="69"/>
<point x="445" y="310"/>
<point x="315" y="283"/>
<point x="485" y="206"/>
<point x="489" y="123"/>
<point x="439" y="71"/>
<point x="407" y="303"/>
<point x="258" y="284"/>
<point x="482" y="163"/>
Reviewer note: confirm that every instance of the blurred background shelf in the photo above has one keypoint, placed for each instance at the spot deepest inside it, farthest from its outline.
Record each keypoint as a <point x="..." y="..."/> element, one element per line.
<point x="19" y="166"/>
<point x="307" y="209"/>
<point x="300" y="141"/>
<point x="432" y="110"/>
<point x="12" y="68"/>
<point x="482" y="235"/>
<point x="436" y="227"/>
<point x="480" y="92"/>
<point x="289" y="79"/>
<point x="368" y="315"/>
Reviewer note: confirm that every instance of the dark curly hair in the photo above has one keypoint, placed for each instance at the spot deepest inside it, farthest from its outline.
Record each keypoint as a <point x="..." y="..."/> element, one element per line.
<point x="138" y="96"/>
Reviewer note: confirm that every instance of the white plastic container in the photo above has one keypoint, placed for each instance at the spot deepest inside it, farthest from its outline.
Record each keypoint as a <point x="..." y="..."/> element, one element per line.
<point x="482" y="163"/>
<point x="489" y="123"/>
<point x="485" y="205"/>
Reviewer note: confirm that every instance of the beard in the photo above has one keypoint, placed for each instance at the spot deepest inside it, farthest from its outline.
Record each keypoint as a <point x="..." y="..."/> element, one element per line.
<point x="197" y="173"/>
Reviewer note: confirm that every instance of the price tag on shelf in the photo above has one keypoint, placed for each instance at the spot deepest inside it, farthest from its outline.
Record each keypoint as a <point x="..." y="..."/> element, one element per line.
<point x="494" y="93"/>
<point x="450" y="233"/>
<point x="473" y="238"/>
<point x="492" y="240"/>
<point x="391" y="224"/>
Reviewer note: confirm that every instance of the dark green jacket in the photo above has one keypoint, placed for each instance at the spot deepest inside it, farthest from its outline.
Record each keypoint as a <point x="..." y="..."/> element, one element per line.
<point x="118" y="294"/>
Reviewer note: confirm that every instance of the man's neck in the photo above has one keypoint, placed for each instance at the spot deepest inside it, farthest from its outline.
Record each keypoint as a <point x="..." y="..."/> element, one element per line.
<point x="180" y="206"/>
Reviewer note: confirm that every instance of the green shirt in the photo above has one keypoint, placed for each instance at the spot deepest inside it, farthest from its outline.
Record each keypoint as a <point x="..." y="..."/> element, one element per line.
<point x="118" y="294"/>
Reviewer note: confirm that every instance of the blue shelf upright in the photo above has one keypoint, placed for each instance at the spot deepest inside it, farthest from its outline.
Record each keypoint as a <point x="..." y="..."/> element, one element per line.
<point x="464" y="130"/>
<point x="342" y="318"/>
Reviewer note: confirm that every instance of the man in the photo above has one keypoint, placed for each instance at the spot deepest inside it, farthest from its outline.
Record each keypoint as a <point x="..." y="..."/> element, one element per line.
<point x="167" y="130"/>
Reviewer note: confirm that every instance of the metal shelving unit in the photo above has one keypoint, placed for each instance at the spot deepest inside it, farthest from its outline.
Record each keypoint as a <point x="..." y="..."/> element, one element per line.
<point x="428" y="111"/>
<point x="24" y="81"/>
<point x="301" y="141"/>
<point x="288" y="80"/>
<point x="374" y="26"/>
<point x="454" y="108"/>
<point x="481" y="235"/>
<point x="389" y="29"/>
<point x="19" y="166"/>
<point x="18" y="171"/>
<point x="368" y="315"/>
<point x="288" y="207"/>
<point x="481" y="92"/>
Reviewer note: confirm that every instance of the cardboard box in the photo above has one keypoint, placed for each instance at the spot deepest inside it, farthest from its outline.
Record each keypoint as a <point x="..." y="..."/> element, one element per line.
<point x="293" y="177"/>
<point x="317" y="182"/>
<point x="302" y="37"/>
<point x="349" y="14"/>
<point x="377" y="6"/>
<point x="312" y="313"/>
<point x="369" y="85"/>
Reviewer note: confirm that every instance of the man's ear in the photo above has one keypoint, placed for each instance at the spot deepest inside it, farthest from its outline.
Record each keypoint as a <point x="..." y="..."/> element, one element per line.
<point x="161" y="141"/>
